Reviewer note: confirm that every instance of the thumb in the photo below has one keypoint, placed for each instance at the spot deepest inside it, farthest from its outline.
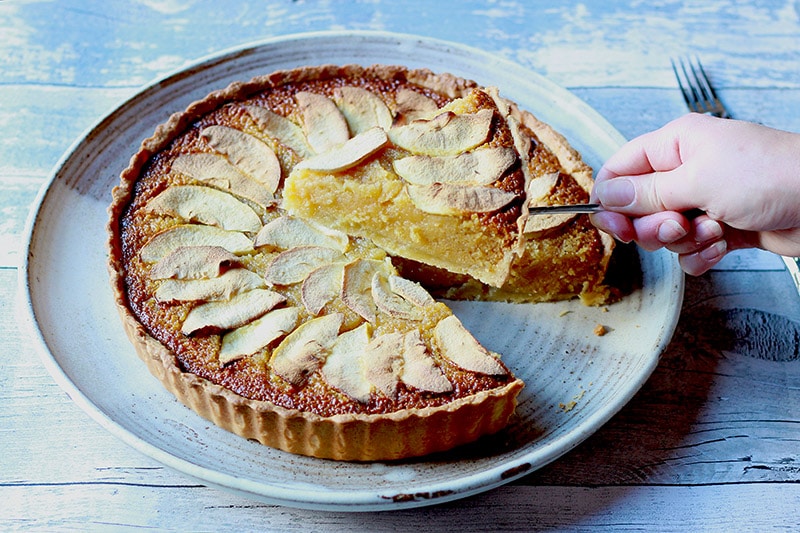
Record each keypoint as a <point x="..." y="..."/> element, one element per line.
<point x="645" y="194"/>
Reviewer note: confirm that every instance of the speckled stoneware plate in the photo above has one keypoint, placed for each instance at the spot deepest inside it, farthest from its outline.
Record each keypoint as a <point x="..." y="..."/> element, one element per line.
<point x="575" y="380"/>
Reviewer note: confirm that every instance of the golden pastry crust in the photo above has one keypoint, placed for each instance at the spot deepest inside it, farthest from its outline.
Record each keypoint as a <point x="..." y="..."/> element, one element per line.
<point x="188" y="263"/>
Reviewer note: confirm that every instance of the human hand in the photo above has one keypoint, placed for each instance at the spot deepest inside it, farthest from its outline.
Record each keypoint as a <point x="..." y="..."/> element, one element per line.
<point x="742" y="178"/>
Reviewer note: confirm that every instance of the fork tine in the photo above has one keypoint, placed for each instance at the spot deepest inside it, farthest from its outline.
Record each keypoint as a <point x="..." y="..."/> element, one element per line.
<point x="687" y="96"/>
<point x="705" y="85"/>
<point x="696" y="89"/>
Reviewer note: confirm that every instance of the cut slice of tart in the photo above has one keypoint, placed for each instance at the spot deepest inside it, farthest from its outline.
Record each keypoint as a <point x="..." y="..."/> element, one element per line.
<point x="445" y="191"/>
<point x="447" y="194"/>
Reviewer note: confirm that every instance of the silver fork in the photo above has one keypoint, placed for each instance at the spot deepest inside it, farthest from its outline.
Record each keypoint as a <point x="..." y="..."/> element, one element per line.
<point x="696" y="88"/>
<point x="700" y="97"/>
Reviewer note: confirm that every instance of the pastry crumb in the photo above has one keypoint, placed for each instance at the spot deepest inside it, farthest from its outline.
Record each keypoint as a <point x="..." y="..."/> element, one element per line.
<point x="565" y="312"/>
<point x="567" y="407"/>
<point x="600" y="330"/>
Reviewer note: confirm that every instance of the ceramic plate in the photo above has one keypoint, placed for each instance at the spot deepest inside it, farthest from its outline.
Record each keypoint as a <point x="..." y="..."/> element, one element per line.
<point x="575" y="380"/>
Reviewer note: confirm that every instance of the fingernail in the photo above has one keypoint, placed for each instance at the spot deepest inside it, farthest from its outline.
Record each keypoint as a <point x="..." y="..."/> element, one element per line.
<point x="714" y="252"/>
<point x="618" y="192"/>
<point x="670" y="231"/>
<point x="708" y="230"/>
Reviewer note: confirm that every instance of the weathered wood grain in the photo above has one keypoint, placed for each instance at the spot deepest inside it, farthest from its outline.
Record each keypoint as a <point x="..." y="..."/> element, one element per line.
<point x="120" y="506"/>
<point x="590" y="44"/>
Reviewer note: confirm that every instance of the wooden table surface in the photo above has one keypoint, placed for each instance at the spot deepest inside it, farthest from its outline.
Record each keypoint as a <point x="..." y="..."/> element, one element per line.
<point x="712" y="440"/>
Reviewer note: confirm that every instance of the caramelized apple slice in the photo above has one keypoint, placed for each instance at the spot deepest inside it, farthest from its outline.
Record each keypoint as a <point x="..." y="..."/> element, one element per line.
<point x="195" y="203"/>
<point x="357" y="287"/>
<point x="294" y="265"/>
<point x="344" y="367"/>
<point x="217" y="171"/>
<point x="289" y="232"/>
<point x="446" y="134"/>
<point x="304" y="350"/>
<point x="384" y="354"/>
<point x="250" y="338"/>
<point x="224" y="287"/>
<point x="410" y="291"/>
<point x="183" y="235"/>
<point x="540" y="188"/>
<point x="281" y="129"/>
<point x="323" y="124"/>
<point x="228" y="314"/>
<point x="321" y="286"/>
<point x="411" y="105"/>
<point x="193" y="262"/>
<point x="391" y="303"/>
<point x="349" y="154"/>
<point x="476" y="168"/>
<point x="362" y="109"/>
<point x="247" y="153"/>
<point x="459" y="346"/>
<point x="446" y="199"/>
<point x="419" y="370"/>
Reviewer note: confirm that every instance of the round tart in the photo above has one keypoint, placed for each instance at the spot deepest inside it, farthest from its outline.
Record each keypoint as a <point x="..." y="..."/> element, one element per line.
<point x="267" y="244"/>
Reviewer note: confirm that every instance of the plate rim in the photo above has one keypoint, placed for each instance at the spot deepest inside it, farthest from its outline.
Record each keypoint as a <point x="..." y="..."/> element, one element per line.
<point x="360" y="500"/>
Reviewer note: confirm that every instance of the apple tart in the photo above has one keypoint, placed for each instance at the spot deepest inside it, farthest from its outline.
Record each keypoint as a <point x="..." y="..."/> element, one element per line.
<point x="266" y="248"/>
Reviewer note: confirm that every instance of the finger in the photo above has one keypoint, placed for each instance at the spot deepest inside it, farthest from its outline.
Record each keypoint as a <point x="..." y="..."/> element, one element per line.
<point x="648" y="193"/>
<point x="651" y="152"/>
<point x="660" y="229"/>
<point x="703" y="231"/>
<point x="701" y="261"/>
<point x="615" y="224"/>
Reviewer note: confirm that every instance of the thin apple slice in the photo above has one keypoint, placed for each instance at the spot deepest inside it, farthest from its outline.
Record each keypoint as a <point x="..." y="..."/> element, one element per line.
<point x="294" y="265"/>
<point x="410" y="291"/>
<point x="287" y="232"/>
<point x="476" y="168"/>
<point x="184" y="235"/>
<point x="391" y="303"/>
<point x="384" y="354"/>
<point x="304" y="350"/>
<point x="250" y="338"/>
<point x="349" y="154"/>
<point x="538" y="189"/>
<point x="445" y="134"/>
<point x="247" y="153"/>
<point x="217" y="171"/>
<point x="281" y="129"/>
<point x="323" y="124"/>
<point x="344" y="367"/>
<point x="538" y="224"/>
<point x="447" y="199"/>
<point x="411" y="105"/>
<point x="357" y="287"/>
<point x="419" y="370"/>
<point x="362" y="109"/>
<point x="321" y="286"/>
<point x="459" y="346"/>
<point x="229" y="314"/>
<point x="224" y="287"/>
<point x="204" y="205"/>
<point x="193" y="262"/>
